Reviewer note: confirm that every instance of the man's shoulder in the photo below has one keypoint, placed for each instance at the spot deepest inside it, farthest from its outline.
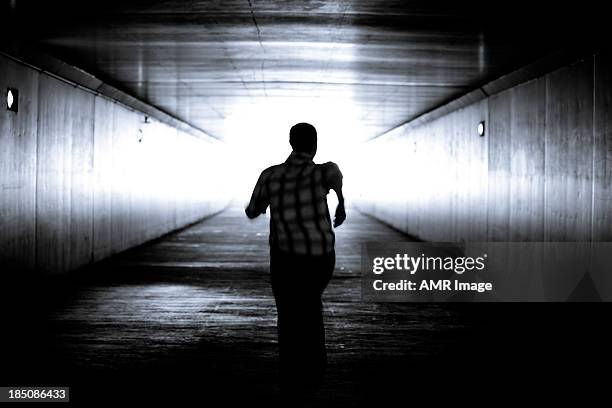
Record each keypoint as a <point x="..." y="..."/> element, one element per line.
<point x="271" y="170"/>
<point x="329" y="167"/>
<point x="328" y="164"/>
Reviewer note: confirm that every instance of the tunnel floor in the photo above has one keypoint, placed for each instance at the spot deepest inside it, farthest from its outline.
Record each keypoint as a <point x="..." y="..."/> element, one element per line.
<point x="191" y="315"/>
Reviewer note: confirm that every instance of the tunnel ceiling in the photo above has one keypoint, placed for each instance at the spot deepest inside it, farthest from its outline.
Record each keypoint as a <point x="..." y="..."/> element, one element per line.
<point x="389" y="60"/>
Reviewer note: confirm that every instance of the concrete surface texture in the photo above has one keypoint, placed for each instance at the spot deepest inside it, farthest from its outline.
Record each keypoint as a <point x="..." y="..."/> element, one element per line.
<point x="192" y="316"/>
<point x="391" y="61"/>
<point x="540" y="173"/>
<point x="83" y="177"/>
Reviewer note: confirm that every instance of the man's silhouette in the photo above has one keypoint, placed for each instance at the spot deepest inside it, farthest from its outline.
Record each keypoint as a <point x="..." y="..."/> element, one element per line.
<point x="302" y="253"/>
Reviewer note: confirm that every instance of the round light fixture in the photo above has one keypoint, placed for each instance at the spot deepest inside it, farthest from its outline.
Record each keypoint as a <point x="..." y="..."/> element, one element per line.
<point x="481" y="129"/>
<point x="10" y="99"/>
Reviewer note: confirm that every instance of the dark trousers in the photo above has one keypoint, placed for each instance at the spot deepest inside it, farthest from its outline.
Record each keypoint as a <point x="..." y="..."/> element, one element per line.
<point x="298" y="281"/>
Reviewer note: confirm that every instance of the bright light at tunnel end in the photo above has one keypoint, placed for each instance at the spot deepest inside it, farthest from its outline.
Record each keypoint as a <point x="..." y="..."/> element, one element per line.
<point x="258" y="136"/>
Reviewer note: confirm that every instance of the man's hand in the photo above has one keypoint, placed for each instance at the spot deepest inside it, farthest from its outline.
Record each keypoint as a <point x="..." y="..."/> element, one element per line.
<point x="340" y="215"/>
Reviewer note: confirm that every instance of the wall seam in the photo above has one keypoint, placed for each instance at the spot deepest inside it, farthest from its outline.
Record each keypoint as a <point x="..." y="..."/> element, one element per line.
<point x="36" y="164"/>
<point x="488" y="161"/>
<point x="594" y="148"/>
<point x="546" y="135"/>
<point x="511" y="131"/>
<point x="113" y="119"/>
<point x="93" y="179"/>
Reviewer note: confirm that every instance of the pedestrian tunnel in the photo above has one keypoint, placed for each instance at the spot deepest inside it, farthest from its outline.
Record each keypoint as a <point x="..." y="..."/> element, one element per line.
<point x="132" y="134"/>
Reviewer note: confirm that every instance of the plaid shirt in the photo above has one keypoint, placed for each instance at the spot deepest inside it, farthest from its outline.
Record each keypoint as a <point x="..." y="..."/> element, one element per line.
<point x="296" y="192"/>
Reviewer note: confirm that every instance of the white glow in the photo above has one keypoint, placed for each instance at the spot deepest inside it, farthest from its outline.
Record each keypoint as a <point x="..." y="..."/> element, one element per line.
<point x="417" y="173"/>
<point x="10" y="99"/>
<point x="259" y="136"/>
<point x="258" y="128"/>
<point x="167" y="169"/>
<point x="481" y="129"/>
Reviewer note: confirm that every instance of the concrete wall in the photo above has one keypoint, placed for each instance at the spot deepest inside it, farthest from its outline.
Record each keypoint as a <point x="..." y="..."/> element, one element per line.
<point x="543" y="171"/>
<point x="83" y="177"/>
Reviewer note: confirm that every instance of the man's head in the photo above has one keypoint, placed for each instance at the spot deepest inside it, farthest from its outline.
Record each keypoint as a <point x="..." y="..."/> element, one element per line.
<point x="303" y="138"/>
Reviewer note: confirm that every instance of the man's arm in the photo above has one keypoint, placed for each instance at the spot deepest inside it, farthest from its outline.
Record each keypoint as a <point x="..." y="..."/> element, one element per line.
<point x="259" y="199"/>
<point x="334" y="182"/>
<point x="340" y="215"/>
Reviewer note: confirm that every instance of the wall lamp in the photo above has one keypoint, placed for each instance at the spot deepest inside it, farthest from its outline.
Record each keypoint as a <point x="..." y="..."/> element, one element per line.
<point x="481" y="129"/>
<point x="12" y="99"/>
